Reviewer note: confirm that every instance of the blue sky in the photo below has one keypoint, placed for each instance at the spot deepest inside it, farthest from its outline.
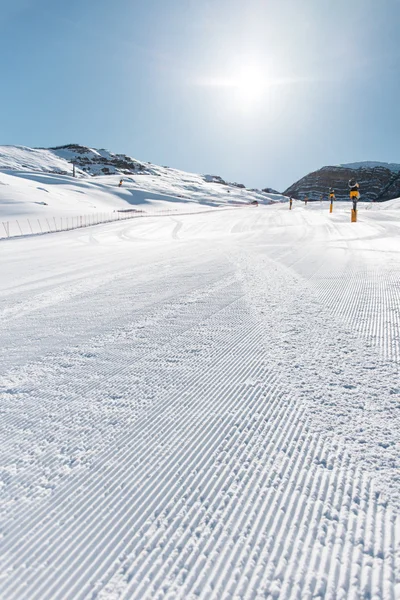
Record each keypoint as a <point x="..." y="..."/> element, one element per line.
<point x="258" y="91"/>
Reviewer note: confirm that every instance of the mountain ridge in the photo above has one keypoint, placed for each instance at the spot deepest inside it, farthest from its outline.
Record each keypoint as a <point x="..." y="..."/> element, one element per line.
<point x="40" y="182"/>
<point x="378" y="182"/>
<point x="85" y="161"/>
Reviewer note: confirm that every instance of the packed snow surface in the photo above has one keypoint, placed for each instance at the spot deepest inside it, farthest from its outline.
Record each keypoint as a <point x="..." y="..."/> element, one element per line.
<point x="203" y="406"/>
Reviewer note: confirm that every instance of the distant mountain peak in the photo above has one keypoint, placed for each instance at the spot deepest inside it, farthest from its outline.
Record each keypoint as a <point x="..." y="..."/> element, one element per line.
<point x="378" y="181"/>
<point x="372" y="165"/>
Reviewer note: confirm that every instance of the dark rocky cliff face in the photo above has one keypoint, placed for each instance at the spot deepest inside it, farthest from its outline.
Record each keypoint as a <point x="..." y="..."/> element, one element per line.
<point x="377" y="183"/>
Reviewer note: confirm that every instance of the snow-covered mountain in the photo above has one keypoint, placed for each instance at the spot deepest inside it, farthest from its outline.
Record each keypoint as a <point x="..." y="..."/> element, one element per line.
<point x="40" y="181"/>
<point x="62" y="159"/>
<point x="378" y="182"/>
<point x="371" y="165"/>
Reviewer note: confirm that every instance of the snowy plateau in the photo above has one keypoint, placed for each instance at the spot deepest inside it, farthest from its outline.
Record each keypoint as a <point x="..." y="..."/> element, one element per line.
<point x="200" y="396"/>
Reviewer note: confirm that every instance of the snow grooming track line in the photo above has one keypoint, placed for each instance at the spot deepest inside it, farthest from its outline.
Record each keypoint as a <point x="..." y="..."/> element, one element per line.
<point x="177" y="227"/>
<point x="333" y="368"/>
<point x="142" y="358"/>
<point x="255" y="375"/>
<point x="78" y="287"/>
<point x="370" y="299"/>
<point x="390" y="552"/>
<point x="140" y="291"/>
<point x="122" y="441"/>
<point x="145" y="500"/>
<point x="183" y="596"/>
<point x="218" y="505"/>
<point x="220" y="285"/>
<point x="369" y="303"/>
<point x="218" y="486"/>
<point x="312" y="481"/>
<point x="262" y="514"/>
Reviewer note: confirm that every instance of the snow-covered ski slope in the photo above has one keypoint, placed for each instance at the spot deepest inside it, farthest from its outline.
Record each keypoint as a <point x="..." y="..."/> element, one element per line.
<point x="38" y="184"/>
<point x="203" y="407"/>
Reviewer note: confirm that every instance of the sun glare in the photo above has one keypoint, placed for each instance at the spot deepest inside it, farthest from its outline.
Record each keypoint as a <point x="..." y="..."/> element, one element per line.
<point x="250" y="86"/>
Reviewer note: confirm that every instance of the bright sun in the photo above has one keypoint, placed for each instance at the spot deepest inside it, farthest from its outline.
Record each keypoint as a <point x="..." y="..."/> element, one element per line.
<point x="250" y="84"/>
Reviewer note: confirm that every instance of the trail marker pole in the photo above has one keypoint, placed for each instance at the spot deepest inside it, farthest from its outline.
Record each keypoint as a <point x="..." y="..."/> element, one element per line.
<point x="354" y="197"/>
<point x="332" y="198"/>
<point x="290" y="203"/>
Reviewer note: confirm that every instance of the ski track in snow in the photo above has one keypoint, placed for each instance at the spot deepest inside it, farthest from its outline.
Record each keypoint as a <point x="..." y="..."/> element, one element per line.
<point x="206" y="408"/>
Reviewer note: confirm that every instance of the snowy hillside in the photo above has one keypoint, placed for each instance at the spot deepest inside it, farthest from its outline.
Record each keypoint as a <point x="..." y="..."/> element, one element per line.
<point x="39" y="183"/>
<point x="60" y="160"/>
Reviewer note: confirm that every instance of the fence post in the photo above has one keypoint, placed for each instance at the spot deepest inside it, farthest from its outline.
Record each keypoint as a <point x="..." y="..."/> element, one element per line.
<point x="40" y="226"/>
<point x="19" y="227"/>
<point x="30" y="226"/>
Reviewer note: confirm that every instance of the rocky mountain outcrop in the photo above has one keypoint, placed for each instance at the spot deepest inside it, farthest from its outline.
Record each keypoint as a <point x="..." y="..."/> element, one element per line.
<point x="132" y="180"/>
<point x="378" y="182"/>
<point x="91" y="161"/>
<point x="101" y="162"/>
<point x="269" y="191"/>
